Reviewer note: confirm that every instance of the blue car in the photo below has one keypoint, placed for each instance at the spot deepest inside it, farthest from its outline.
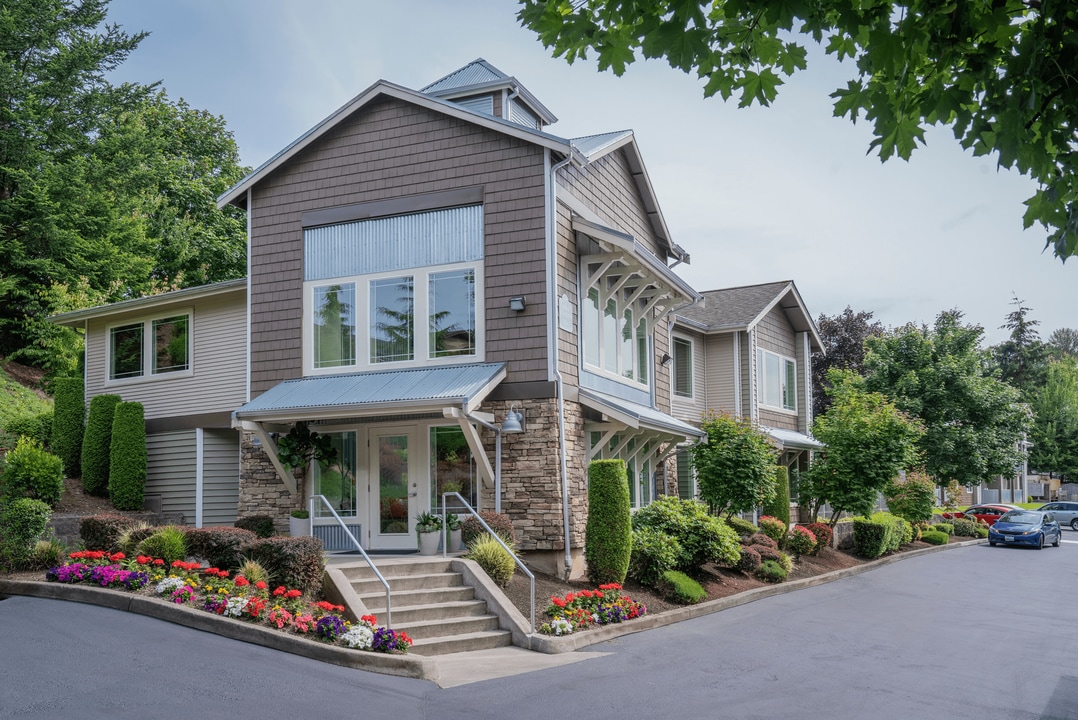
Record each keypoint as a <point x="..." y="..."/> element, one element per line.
<point x="1025" y="527"/>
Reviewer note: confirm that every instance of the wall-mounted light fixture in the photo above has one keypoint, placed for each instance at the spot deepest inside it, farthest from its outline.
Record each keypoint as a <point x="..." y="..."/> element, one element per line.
<point x="513" y="422"/>
<point x="518" y="303"/>
<point x="665" y="360"/>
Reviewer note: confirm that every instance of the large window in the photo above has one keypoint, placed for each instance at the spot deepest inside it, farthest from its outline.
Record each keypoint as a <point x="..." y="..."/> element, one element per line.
<point x="777" y="380"/>
<point x="402" y="289"/>
<point x="616" y="344"/>
<point x="682" y="368"/>
<point x="452" y="468"/>
<point x="152" y="347"/>
<point x="337" y="482"/>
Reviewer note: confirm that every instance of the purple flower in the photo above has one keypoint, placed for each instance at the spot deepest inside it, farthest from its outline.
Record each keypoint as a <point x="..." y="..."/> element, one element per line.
<point x="385" y="640"/>
<point x="329" y="628"/>
<point x="73" y="573"/>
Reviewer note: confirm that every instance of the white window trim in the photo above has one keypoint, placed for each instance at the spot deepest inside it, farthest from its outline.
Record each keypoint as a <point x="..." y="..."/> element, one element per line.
<point x="760" y="381"/>
<point x="421" y="349"/>
<point x="691" y="397"/>
<point x="148" y="348"/>
<point x="620" y="307"/>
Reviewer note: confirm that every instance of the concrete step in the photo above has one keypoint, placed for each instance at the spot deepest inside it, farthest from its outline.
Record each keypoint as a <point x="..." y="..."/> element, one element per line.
<point x="376" y="601"/>
<point x="447" y="626"/>
<point x="407" y="582"/>
<point x="461" y="643"/>
<point x="396" y="568"/>
<point x="438" y="611"/>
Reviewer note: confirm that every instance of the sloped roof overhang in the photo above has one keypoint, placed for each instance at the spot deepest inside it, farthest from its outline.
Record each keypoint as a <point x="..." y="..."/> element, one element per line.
<point x="792" y="440"/>
<point x="629" y="421"/>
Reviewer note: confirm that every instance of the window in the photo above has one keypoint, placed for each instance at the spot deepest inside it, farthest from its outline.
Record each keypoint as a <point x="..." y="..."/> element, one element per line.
<point x="452" y="468"/>
<point x="337" y="482"/>
<point x="685" y="485"/>
<point x="777" y="380"/>
<point x="399" y="289"/>
<point x="682" y="368"/>
<point x="164" y="341"/>
<point x="614" y="343"/>
<point x="637" y="466"/>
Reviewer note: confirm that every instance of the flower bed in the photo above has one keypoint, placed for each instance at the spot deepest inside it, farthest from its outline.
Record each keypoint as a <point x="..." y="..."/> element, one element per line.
<point x="590" y="608"/>
<point x="214" y="591"/>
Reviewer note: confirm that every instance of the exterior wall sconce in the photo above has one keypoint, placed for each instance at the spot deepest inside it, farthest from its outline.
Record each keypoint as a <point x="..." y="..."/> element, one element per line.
<point x="513" y="422"/>
<point x="665" y="360"/>
<point x="518" y="303"/>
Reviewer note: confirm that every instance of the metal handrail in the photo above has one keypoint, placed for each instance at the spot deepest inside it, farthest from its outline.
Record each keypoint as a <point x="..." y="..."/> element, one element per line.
<point x="389" y="612"/>
<point x="445" y="543"/>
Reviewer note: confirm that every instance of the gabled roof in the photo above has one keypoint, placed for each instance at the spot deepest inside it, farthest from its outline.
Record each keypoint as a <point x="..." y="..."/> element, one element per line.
<point x="75" y="318"/>
<point x="479" y="76"/>
<point x="741" y="308"/>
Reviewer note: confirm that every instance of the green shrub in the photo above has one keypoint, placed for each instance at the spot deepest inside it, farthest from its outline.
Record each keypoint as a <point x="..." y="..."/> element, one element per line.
<point x="129" y="538"/>
<point x="127" y="457"/>
<point x="801" y="540"/>
<point x="96" y="444"/>
<point x="944" y="527"/>
<point x="30" y="471"/>
<point x="823" y="533"/>
<point x="779" y="506"/>
<point x="608" y="535"/>
<point x="22" y="523"/>
<point x="218" y="546"/>
<point x="47" y="554"/>
<point x="761" y="539"/>
<point x="703" y="538"/>
<point x="742" y="527"/>
<point x="772" y="572"/>
<point x="774" y="528"/>
<point x="102" y="532"/>
<point x="982" y="531"/>
<point x="870" y="537"/>
<point x="253" y="571"/>
<point x="260" y="525"/>
<point x="654" y="552"/>
<point x="292" y="561"/>
<point x="37" y="427"/>
<point x="68" y="423"/>
<point x="777" y="556"/>
<point x="681" y="588"/>
<point x="913" y="499"/>
<point x="168" y="543"/>
<point x="965" y="528"/>
<point x="500" y="523"/>
<point x="750" y="559"/>
<point x="492" y="557"/>
<point x="935" y="537"/>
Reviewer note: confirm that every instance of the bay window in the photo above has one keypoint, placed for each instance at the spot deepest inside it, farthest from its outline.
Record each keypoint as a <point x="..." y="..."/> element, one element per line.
<point x="613" y="342"/>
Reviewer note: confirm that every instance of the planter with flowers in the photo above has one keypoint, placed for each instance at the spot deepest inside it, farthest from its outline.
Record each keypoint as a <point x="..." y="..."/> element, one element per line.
<point x="299" y="523"/>
<point x="452" y="524"/>
<point x="428" y="527"/>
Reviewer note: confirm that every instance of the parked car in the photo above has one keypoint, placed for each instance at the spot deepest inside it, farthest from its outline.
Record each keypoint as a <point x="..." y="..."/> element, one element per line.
<point x="1025" y="527"/>
<point x="1066" y="512"/>
<point x="984" y="513"/>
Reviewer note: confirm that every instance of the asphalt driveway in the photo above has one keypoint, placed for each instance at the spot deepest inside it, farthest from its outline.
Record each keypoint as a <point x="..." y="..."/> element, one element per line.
<point x="972" y="632"/>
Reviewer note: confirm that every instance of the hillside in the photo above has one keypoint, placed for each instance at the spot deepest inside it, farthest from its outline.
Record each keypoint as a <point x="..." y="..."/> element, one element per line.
<point x="20" y="394"/>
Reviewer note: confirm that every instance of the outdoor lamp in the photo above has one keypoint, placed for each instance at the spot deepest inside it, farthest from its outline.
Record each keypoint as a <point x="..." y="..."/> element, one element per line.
<point x="514" y="421"/>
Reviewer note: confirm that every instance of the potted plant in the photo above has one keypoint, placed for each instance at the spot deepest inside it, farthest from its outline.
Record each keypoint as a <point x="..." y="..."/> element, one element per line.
<point x="452" y="524"/>
<point x="428" y="527"/>
<point x="299" y="523"/>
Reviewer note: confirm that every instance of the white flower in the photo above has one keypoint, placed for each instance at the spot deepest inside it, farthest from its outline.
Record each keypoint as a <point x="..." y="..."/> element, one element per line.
<point x="561" y="626"/>
<point x="235" y="606"/>
<point x="169" y="584"/>
<point x="359" y="636"/>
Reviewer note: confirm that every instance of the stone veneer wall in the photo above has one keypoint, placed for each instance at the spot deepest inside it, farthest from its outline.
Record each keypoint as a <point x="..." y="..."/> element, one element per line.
<point x="261" y="491"/>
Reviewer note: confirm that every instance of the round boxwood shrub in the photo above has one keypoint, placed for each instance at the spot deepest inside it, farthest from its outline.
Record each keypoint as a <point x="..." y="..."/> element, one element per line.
<point x="965" y="528"/>
<point x="944" y="527"/>
<point x="744" y="528"/>
<point x="168" y="543"/>
<point x="608" y="533"/>
<point x="823" y="533"/>
<point x="96" y="444"/>
<point x="772" y="572"/>
<point x="801" y="540"/>
<point x="750" y="559"/>
<point x="779" y="506"/>
<point x="68" y="423"/>
<point x="654" y="552"/>
<point x="127" y="457"/>
<point x="22" y="523"/>
<point x="30" y="471"/>
<point x="681" y="588"/>
<point x="935" y="537"/>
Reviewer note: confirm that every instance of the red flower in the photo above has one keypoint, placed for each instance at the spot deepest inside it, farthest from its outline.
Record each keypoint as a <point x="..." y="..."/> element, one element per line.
<point x="210" y="571"/>
<point x="158" y="561"/>
<point x="179" y="564"/>
<point x="241" y="581"/>
<point x="558" y="601"/>
<point x="370" y="619"/>
<point x="293" y="594"/>
<point x="222" y="574"/>
<point x="279" y="591"/>
<point x="261" y="584"/>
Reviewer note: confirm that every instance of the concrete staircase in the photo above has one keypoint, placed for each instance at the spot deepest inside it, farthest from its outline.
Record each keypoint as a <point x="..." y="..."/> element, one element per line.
<point x="430" y="602"/>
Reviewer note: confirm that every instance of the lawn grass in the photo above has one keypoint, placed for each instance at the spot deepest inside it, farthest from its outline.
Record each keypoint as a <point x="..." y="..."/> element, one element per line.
<point x="17" y="400"/>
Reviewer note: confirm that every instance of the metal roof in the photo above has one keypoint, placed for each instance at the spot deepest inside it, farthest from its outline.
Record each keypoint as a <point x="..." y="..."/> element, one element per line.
<point x="75" y="318"/>
<point x="638" y="416"/>
<point x="591" y="144"/>
<point x="477" y="72"/>
<point x="793" y="439"/>
<point x="375" y="393"/>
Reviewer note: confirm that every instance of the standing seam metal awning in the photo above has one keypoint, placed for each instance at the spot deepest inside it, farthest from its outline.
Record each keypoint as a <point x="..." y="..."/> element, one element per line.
<point x="792" y="440"/>
<point x="375" y="393"/>
<point x="639" y="423"/>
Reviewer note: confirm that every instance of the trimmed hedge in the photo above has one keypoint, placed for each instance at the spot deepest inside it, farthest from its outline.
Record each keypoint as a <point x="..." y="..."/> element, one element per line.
<point x="681" y="588"/>
<point x="946" y="528"/>
<point x="653" y="554"/>
<point x="292" y="561"/>
<point x="744" y="528"/>
<point x="101" y="532"/>
<point x="608" y="535"/>
<point x="219" y="546"/>
<point x="260" y="525"/>
<point x="30" y="471"/>
<point x="935" y="537"/>
<point x="127" y="457"/>
<point x="470" y="528"/>
<point x="22" y="523"/>
<point x="96" y="444"/>
<point x="883" y="532"/>
<point x="69" y="423"/>
<point x="965" y="528"/>
<point x="779" y="506"/>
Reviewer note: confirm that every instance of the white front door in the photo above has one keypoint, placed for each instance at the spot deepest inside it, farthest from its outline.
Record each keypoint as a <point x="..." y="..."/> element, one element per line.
<point x="394" y="487"/>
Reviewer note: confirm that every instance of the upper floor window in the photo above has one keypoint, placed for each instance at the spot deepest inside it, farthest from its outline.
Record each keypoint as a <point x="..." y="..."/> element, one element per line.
<point x="777" y="380"/>
<point x="394" y="290"/>
<point x="682" y="367"/>
<point x="614" y="342"/>
<point x="149" y="347"/>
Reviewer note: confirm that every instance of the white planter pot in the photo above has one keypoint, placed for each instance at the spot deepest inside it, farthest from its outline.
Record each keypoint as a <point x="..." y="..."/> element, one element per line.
<point x="428" y="543"/>
<point x="298" y="527"/>
<point x="454" y="541"/>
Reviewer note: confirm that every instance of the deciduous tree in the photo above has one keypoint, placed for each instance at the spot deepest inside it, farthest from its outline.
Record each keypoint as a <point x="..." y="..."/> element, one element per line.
<point x="735" y="467"/>
<point x="843" y="337"/>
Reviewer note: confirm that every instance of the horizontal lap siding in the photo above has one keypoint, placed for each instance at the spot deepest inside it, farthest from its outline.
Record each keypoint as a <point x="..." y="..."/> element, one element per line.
<point x="217" y="382"/>
<point x="391" y="149"/>
<point x="568" y="285"/>
<point x="720" y="374"/>
<point x="775" y="333"/>
<point x="691" y="410"/>
<point x="171" y="470"/>
<point x="220" y="476"/>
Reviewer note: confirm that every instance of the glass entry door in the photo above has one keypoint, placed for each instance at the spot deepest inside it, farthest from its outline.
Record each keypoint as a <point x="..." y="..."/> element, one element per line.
<point x="394" y="488"/>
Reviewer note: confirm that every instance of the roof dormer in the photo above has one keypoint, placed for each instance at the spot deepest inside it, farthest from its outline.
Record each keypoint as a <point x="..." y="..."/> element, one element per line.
<point x="483" y="88"/>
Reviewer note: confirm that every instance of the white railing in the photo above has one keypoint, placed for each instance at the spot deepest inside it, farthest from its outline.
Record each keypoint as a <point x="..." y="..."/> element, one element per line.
<point x="310" y="515"/>
<point x="470" y="509"/>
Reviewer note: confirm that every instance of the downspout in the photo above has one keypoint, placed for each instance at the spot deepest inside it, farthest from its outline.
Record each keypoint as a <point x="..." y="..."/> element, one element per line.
<point x="552" y="337"/>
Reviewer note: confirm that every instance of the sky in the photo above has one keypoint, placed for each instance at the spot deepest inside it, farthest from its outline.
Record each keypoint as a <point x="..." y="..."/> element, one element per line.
<point x="754" y="195"/>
